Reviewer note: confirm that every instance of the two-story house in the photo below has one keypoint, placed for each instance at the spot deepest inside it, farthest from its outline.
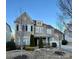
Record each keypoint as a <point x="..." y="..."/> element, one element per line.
<point x="25" y="26"/>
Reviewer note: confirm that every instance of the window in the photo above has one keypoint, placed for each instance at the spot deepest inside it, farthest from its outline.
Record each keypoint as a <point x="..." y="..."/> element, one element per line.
<point x="22" y="27"/>
<point x="17" y="27"/>
<point x="48" y="31"/>
<point x="39" y="29"/>
<point x="29" y="28"/>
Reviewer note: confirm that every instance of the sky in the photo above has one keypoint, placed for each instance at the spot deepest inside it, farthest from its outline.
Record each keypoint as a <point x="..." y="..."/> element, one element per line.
<point x="45" y="10"/>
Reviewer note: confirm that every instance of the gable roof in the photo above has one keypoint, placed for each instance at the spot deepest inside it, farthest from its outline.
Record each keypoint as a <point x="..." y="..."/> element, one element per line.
<point x="47" y="26"/>
<point x="57" y="31"/>
<point x="21" y="18"/>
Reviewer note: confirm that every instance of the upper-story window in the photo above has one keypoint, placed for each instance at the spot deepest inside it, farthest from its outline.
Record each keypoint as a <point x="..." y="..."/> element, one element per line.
<point x="38" y="23"/>
<point x="17" y="27"/>
<point x="49" y="31"/>
<point x="23" y="28"/>
<point x="29" y="28"/>
<point x="39" y="29"/>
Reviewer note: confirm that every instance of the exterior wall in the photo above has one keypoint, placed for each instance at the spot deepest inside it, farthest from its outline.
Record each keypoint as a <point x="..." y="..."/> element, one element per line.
<point x="25" y="35"/>
<point x="24" y="41"/>
<point x="24" y="29"/>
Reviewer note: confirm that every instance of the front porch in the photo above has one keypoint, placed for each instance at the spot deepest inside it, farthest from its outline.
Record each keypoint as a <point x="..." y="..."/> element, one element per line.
<point x="46" y="41"/>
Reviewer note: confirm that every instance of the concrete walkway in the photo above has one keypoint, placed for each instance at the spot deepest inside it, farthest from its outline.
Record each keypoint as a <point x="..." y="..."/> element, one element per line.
<point x="67" y="48"/>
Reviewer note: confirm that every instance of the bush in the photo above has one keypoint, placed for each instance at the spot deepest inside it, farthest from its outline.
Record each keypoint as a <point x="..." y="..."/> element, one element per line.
<point x="64" y="42"/>
<point x="40" y="43"/>
<point x="10" y="45"/>
<point x="54" y="44"/>
<point x="32" y="41"/>
<point x="29" y="48"/>
<point x="59" y="53"/>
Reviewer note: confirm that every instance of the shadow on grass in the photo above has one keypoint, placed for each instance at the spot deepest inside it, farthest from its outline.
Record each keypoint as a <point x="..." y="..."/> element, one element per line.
<point x="21" y="57"/>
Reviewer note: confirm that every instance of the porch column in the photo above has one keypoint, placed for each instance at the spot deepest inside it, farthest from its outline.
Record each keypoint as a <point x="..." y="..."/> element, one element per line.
<point x="37" y="42"/>
<point x="46" y="41"/>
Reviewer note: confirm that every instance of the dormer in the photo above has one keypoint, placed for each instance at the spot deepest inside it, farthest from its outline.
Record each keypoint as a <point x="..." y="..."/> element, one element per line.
<point x="39" y="23"/>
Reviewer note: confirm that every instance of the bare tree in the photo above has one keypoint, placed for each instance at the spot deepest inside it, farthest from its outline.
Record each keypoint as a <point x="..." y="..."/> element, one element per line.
<point x="66" y="27"/>
<point x="66" y="7"/>
<point x="60" y="28"/>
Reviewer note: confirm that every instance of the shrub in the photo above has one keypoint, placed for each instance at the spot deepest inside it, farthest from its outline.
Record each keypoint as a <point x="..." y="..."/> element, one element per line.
<point x="59" y="53"/>
<point x="40" y="43"/>
<point x="64" y="42"/>
<point x="54" y="44"/>
<point x="10" y="45"/>
<point x="29" y="48"/>
<point x="32" y="41"/>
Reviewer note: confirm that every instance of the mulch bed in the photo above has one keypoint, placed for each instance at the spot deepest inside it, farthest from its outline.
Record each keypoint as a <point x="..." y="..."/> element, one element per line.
<point x="59" y="53"/>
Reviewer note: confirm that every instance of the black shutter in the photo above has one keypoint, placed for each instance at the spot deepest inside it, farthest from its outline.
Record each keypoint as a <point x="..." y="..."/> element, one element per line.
<point x="31" y="28"/>
<point x="17" y="27"/>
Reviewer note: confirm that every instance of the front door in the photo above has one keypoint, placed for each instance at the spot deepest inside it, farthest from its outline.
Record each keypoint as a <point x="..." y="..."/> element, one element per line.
<point x="35" y="41"/>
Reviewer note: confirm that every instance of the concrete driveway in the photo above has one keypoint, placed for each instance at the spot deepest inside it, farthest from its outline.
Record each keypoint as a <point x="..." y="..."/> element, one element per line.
<point x="67" y="48"/>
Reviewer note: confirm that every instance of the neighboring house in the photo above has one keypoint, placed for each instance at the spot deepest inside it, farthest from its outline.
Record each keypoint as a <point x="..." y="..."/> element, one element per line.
<point x="8" y="32"/>
<point x="25" y="26"/>
<point x="58" y="36"/>
<point x="68" y="33"/>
